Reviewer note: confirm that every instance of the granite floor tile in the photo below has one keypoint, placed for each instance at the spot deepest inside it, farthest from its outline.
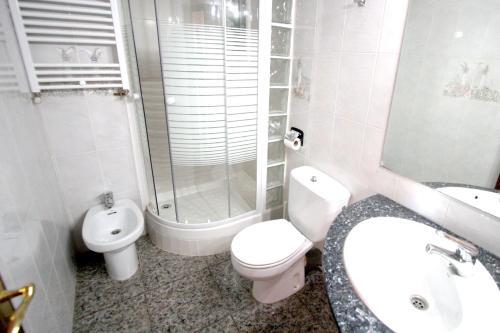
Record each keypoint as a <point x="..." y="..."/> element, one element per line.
<point x="289" y="315"/>
<point x="315" y="299"/>
<point x="160" y="267"/>
<point x="236" y="291"/>
<point x="130" y="316"/>
<point x="100" y="292"/>
<point x="186" y="305"/>
<point x="217" y="258"/>
<point x="224" y="325"/>
<point x="173" y="293"/>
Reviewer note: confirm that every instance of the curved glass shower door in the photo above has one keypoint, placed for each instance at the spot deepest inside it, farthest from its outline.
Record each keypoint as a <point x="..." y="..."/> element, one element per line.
<point x="209" y="54"/>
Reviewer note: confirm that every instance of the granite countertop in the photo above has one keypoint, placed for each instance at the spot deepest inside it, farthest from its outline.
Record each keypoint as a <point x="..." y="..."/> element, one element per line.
<point x="436" y="185"/>
<point x="351" y="313"/>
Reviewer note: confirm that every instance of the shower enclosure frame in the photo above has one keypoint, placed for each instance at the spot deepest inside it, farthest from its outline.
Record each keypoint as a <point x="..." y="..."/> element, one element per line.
<point x="215" y="236"/>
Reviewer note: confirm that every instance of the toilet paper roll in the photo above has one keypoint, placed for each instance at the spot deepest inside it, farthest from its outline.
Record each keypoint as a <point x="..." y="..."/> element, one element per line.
<point x="294" y="144"/>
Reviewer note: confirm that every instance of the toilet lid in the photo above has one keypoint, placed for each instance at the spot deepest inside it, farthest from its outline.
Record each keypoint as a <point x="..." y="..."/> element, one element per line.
<point x="267" y="243"/>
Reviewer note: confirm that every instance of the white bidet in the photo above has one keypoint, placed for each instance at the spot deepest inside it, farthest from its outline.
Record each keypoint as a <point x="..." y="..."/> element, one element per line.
<point x="113" y="232"/>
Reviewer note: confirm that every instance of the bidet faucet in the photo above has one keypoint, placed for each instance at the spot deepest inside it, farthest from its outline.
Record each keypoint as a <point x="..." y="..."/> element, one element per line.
<point x="108" y="200"/>
<point x="462" y="259"/>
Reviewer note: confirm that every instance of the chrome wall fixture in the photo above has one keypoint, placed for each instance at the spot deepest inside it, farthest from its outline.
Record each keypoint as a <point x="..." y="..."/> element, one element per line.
<point x="360" y="3"/>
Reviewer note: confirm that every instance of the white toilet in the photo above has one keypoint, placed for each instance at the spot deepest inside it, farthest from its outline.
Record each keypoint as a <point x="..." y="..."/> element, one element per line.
<point x="113" y="232"/>
<point x="272" y="253"/>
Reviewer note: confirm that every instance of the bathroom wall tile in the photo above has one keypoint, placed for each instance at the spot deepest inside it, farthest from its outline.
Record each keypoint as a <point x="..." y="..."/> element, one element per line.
<point x="383" y="85"/>
<point x="325" y="84"/>
<point x="118" y="169"/>
<point x="110" y="123"/>
<point x="347" y="143"/>
<point x="88" y="185"/>
<point x="363" y="26"/>
<point x="67" y="124"/>
<point x="394" y="19"/>
<point x="330" y="25"/>
<point x="305" y="13"/>
<point x="355" y="85"/>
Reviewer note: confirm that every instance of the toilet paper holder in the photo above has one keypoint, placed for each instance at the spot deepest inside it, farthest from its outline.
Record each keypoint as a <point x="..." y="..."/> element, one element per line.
<point x="295" y="133"/>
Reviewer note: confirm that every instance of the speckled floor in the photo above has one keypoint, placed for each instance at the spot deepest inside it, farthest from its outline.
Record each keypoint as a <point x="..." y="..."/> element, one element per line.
<point x="172" y="293"/>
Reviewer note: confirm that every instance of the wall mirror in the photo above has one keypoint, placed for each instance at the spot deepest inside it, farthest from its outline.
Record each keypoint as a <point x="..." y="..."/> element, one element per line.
<point x="444" y="125"/>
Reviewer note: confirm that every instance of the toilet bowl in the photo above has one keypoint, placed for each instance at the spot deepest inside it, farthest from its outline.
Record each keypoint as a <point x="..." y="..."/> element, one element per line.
<point x="113" y="232"/>
<point x="272" y="253"/>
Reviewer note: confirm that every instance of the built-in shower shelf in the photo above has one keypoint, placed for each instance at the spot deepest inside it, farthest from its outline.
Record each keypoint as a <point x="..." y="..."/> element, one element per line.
<point x="275" y="139"/>
<point x="281" y="57"/>
<point x="282" y="25"/>
<point x="272" y="164"/>
<point x="281" y="114"/>
<point x="272" y="185"/>
<point x="71" y="44"/>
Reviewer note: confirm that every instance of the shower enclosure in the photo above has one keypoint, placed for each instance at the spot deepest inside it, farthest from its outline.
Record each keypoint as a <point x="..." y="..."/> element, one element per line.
<point x="205" y="109"/>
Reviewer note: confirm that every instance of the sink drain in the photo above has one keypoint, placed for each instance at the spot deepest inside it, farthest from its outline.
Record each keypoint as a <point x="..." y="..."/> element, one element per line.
<point x="419" y="302"/>
<point x="116" y="231"/>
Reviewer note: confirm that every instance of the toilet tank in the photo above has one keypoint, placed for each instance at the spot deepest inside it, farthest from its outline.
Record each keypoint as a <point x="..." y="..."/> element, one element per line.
<point x="314" y="201"/>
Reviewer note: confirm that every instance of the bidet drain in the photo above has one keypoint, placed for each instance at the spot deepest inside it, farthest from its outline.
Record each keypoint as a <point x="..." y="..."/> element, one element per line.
<point x="116" y="231"/>
<point x="419" y="302"/>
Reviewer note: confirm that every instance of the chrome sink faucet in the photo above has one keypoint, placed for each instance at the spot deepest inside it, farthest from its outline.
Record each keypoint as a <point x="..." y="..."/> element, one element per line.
<point x="108" y="200"/>
<point x="461" y="260"/>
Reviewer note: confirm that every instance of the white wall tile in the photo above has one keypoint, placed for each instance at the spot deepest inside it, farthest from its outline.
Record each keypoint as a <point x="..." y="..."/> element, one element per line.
<point x="67" y="124"/>
<point x="383" y="85"/>
<point x="394" y="19"/>
<point x="356" y="75"/>
<point x="110" y="123"/>
<point x="363" y="26"/>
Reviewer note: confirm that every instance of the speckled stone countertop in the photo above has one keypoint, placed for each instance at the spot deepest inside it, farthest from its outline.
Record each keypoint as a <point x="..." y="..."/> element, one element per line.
<point x="436" y="185"/>
<point x="351" y="313"/>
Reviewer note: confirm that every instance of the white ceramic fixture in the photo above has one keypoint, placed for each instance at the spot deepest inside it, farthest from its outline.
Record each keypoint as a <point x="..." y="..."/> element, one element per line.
<point x="272" y="253"/>
<point x="486" y="201"/>
<point x="113" y="232"/>
<point x="412" y="290"/>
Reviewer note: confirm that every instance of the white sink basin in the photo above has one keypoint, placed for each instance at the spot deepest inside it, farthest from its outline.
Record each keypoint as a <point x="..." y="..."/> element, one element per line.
<point x="486" y="201"/>
<point x="393" y="274"/>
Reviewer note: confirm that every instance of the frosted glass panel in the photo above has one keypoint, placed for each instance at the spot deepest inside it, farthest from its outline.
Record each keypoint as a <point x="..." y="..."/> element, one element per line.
<point x="280" y="42"/>
<point x="275" y="176"/>
<point x="280" y="70"/>
<point x="274" y="197"/>
<point x="278" y="100"/>
<point x="277" y="126"/>
<point x="282" y="11"/>
<point x="275" y="152"/>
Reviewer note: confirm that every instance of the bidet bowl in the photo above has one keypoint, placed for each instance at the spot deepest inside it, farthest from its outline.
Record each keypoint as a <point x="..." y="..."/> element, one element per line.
<point x="106" y="230"/>
<point x="113" y="232"/>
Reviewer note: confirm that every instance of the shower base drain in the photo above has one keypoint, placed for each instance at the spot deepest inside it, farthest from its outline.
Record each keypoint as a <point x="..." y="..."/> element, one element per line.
<point x="419" y="302"/>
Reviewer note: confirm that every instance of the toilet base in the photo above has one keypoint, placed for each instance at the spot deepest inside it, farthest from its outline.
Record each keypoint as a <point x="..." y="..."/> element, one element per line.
<point x="123" y="263"/>
<point x="281" y="286"/>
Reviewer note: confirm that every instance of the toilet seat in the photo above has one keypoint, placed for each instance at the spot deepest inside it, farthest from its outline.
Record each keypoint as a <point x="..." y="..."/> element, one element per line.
<point x="267" y="244"/>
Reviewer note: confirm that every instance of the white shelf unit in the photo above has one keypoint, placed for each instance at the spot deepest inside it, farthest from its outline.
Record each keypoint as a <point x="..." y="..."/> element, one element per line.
<point x="71" y="44"/>
<point x="275" y="187"/>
